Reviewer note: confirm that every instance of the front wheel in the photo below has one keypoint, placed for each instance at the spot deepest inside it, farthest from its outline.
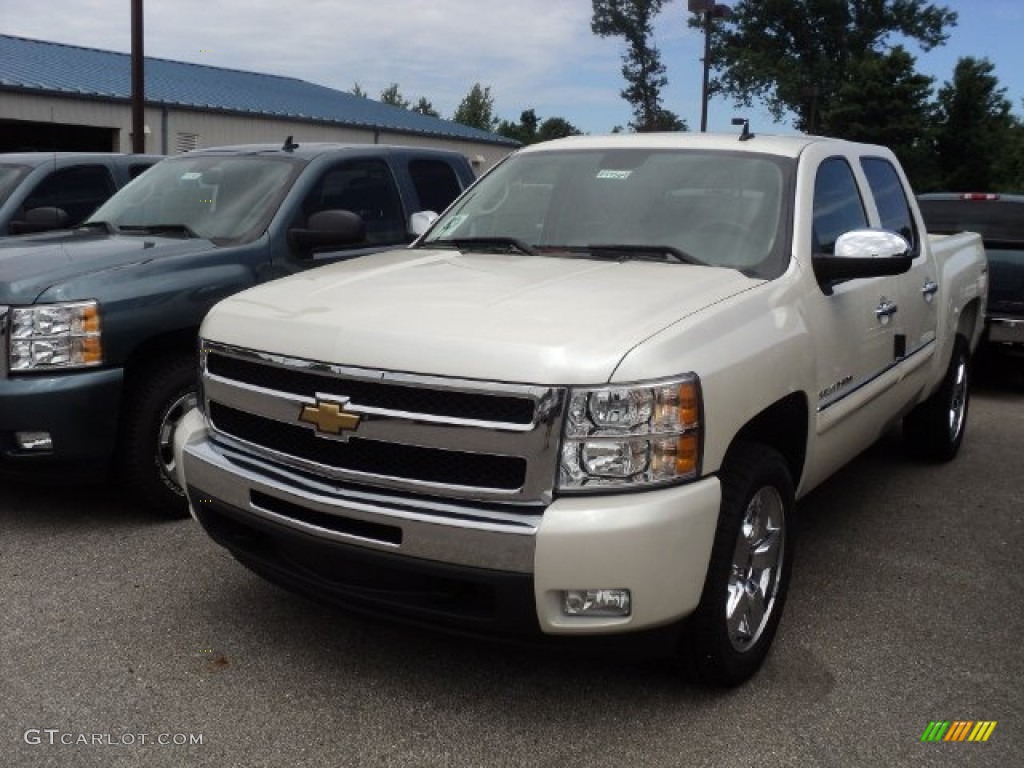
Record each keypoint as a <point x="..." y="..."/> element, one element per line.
<point x="155" y="402"/>
<point x="727" y="638"/>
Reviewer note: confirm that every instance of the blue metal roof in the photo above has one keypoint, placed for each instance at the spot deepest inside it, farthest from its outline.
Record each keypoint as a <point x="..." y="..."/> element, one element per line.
<point x="56" y="68"/>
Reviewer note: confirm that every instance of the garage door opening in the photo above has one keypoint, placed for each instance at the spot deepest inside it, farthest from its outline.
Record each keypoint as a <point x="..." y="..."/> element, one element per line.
<point x="28" y="136"/>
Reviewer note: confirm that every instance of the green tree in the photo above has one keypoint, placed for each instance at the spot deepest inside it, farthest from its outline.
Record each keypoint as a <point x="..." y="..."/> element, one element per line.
<point x="530" y="129"/>
<point x="556" y="128"/>
<point x="795" y="55"/>
<point x="391" y="95"/>
<point x="886" y="101"/>
<point x="641" y="63"/>
<point x="357" y="90"/>
<point x="477" y="109"/>
<point x="976" y="130"/>
<point x="424" y="107"/>
<point x="525" y="131"/>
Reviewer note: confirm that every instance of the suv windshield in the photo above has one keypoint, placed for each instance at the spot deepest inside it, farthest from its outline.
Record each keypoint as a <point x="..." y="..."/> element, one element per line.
<point x="715" y="208"/>
<point x="226" y="199"/>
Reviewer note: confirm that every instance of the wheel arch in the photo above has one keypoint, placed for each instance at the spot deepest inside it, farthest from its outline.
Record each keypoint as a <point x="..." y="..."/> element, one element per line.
<point x="969" y="324"/>
<point x="178" y="342"/>
<point x="783" y="426"/>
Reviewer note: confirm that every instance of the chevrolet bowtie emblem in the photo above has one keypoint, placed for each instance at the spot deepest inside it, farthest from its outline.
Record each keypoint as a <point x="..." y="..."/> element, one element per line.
<point x="329" y="417"/>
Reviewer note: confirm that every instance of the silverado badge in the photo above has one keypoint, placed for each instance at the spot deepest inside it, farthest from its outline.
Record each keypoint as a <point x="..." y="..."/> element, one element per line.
<point x="329" y="417"/>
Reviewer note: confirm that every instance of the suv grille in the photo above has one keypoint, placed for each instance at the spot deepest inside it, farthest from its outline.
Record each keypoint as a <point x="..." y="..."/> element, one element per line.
<point x="454" y="438"/>
<point x="464" y="405"/>
<point x="446" y="467"/>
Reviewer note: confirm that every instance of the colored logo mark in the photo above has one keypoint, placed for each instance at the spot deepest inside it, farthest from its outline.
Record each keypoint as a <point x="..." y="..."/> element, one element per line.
<point x="958" y="730"/>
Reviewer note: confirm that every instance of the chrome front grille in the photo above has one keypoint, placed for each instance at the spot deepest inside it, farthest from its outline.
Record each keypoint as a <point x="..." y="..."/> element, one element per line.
<point x="459" y="439"/>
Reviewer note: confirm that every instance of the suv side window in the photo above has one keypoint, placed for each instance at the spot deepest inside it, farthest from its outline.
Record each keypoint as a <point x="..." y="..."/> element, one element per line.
<point x="891" y="198"/>
<point x="838" y="207"/>
<point x="366" y="188"/>
<point x="78" y="191"/>
<point x="436" y="183"/>
<point x="137" y="169"/>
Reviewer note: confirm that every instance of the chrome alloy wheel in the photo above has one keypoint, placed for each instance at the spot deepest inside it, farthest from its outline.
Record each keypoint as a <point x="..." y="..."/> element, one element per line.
<point x="756" y="568"/>
<point x="958" y="399"/>
<point x="165" y="437"/>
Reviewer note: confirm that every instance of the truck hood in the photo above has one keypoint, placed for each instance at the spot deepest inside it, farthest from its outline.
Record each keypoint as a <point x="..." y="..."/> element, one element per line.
<point x="29" y="265"/>
<point x="496" y="317"/>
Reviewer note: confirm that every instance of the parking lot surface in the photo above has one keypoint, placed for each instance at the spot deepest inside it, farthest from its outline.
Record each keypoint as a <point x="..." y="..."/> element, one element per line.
<point x="127" y="641"/>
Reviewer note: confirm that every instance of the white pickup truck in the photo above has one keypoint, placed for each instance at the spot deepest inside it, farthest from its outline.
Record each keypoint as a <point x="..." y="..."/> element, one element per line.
<point x="581" y="406"/>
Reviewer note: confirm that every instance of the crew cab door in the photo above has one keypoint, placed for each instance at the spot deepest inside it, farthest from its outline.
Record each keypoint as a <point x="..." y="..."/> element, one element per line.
<point x="917" y="319"/>
<point x="855" y="325"/>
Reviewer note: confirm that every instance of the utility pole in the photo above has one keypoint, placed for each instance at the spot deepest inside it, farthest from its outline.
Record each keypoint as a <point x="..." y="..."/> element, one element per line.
<point x="138" y="81"/>
<point x="711" y="11"/>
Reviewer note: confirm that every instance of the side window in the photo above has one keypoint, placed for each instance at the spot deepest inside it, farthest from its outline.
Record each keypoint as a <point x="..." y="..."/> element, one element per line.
<point x="890" y="198"/>
<point x="367" y="188"/>
<point x="435" y="182"/>
<point x="838" y="207"/>
<point x="137" y="169"/>
<point x="78" y="191"/>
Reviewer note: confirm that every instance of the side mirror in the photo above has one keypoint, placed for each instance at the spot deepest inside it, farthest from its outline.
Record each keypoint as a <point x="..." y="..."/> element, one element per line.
<point x="421" y="221"/>
<point x="328" y="229"/>
<point x="862" y="253"/>
<point x="41" y="219"/>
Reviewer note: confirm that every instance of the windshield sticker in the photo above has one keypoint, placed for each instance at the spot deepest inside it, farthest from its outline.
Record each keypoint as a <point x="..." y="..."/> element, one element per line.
<point x="191" y="176"/>
<point x="452" y="224"/>
<point x="608" y="173"/>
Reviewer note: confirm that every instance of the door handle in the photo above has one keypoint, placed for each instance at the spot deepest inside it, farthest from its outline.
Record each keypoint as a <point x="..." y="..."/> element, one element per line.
<point x="886" y="309"/>
<point x="929" y="290"/>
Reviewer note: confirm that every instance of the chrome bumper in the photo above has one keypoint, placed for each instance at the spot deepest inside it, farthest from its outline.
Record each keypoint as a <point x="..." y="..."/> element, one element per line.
<point x="1006" y="330"/>
<point x="478" y="536"/>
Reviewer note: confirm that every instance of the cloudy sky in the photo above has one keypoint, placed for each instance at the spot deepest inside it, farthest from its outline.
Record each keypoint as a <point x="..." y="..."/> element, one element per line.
<point x="536" y="54"/>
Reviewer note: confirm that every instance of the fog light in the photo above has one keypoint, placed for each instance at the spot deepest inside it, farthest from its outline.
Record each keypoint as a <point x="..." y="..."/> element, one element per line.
<point x="34" y="441"/>
<point x="596" y="602"/>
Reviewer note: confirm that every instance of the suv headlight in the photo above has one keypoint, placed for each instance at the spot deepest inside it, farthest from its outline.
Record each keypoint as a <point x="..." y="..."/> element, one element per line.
<point x="48" y="336"/>
<point x="632" y="436"/>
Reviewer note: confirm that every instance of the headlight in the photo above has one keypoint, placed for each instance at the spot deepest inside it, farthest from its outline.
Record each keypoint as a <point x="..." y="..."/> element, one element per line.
<point x="55" y="336"/>
<point x="632" y="436"/>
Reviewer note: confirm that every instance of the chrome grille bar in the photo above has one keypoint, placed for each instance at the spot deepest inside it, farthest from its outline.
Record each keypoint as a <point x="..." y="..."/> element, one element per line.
<point x="417" y="451"/>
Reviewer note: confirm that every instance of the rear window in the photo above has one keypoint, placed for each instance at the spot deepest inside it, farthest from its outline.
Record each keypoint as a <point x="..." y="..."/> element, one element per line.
<point x="998" y="221"/>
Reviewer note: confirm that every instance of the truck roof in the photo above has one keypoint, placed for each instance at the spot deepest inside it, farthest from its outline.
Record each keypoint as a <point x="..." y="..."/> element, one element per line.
<point x="35" y="159"/>
<point x="786" y="146"/>
<point x="310" y="149"/>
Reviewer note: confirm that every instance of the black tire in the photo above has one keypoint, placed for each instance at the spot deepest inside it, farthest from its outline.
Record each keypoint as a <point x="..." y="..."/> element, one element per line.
<point x="719" y="645"/>
<point x="155" y="399"/>
<point x="935" y="429"/>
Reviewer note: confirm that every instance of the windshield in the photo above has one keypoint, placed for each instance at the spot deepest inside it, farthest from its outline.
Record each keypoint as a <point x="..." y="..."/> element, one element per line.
<point x="226" y="199"/>
<point x="715" y="208"/>
<point x="10" y="177"/>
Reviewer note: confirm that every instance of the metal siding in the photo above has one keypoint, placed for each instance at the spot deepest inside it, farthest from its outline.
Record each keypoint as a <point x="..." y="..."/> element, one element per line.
<point x="54" y="69"/>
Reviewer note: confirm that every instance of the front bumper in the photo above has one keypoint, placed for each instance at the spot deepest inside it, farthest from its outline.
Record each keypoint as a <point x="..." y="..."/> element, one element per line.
<point x="485" y="568"/>
<point x="78" y="409"/>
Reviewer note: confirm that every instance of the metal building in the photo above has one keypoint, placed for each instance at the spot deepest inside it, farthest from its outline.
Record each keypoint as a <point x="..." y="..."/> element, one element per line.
<point x="64" y="97"/>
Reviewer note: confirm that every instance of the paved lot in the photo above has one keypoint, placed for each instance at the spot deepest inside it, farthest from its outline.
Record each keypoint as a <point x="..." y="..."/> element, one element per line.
<point x="905" y="608"/>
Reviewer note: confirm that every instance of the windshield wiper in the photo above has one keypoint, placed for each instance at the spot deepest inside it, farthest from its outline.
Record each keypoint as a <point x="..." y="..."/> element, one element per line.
<point x="626" y="252"/>
<point x="160" y="229"/>
<point x="484" y="243"/>
<point x="109" y="228"/>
